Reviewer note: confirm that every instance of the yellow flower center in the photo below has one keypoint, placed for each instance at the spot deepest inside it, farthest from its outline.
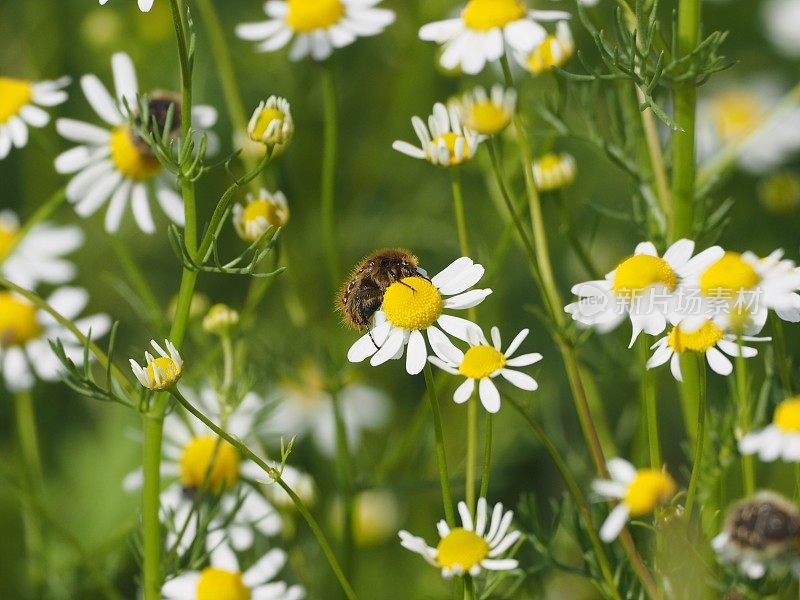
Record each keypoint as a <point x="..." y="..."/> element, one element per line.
<point x="461" y="547"/>
<point x="449" y="140"/>
<point x="728" y="276"/>
<point x="780" y="193"/>
<point x="487" y="118"/>
<point x="639" y="272"/>
<point x="14" y="94"/>
<point x="735" y="114"/>
<point x="697" y="341"/>
<point x="18" y="323"/>
<point x="649" y="489"/>
<point x="128" y="159"/>
<point x="217" y="584"/>
<point x="8" y="238"/>
<point x="197" y="467"/>
<point x="168" y="372"/>
<point x="308" y="15"/>
<point x="412" y="303"/>
<point x="481" y="361"/>
<point x="267" y="116"/>
<point x="274" y="213"/>
<point x="482" y="15"/>
<point x="787" y="415"/>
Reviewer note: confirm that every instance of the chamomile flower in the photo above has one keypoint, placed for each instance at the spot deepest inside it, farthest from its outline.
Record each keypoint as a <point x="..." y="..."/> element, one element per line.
<point x="780" y="439"/>
<point x="39" y="256"/>
<point x="198" y="462"/>
<point x="471" y="548"/>
<point x="114" y="165"/>
<point x="488" y="114"/>
<point x="144" y="5"/>
<point x="484" y="29"/>
<point x="224" y="579"/>
<point x="271" y="122"/>
<point x="20" y="108"/>
<point x="482" y="362"/>
<point x="159" y="373"/>
<point x="640" y="288"/>
<point x="640" y="492"/>
<point x="304" y="407"/>
<point x="416" y="304"/>
<point x="318" y="26"/>
<point x="554" y="171"/>
<point x="709" y="339"/>
<point x="25" y="330"/>
<point x="780" y="21"/>
<point x="260" y="213"/>
<point x="444" y="142"/>
<point x="779" y="193"/>
<point x="738" y="290"/>
<point x="556" y="49"/>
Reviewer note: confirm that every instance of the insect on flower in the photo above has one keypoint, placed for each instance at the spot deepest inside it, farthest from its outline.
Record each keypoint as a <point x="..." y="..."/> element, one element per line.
<point x="361" y="294"/>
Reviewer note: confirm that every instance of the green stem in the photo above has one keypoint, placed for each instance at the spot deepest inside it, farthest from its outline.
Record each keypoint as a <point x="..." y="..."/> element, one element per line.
<point x="688" y="396"/>
<point x="649" y="403"/>
<point x="701" y="436"/>
<point x="458" y="210"/>
<point x="329" y="246"/>
<point x="152" y="425"/>
<point x="138" y="281"/>
<point x="781" y="356"/>
<point x="683" y="159"/>
<point x="743" y="392"/>
<point x="31" y="463"/>
<point x="469" y="588"/>
<point x="441" y="457"/>
<point x="344" y="471"/>
<point x="275" y="475"/>
<point x="472" y="449"/>
<point x="577" y="496"/>
<point x="568" y="227"/>
<point x="487" y="455"/>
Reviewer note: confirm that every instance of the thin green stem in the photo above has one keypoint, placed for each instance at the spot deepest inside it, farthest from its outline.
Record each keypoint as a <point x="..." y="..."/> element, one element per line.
<point x="649" y="403"/>
<point x="138" y="281"/>
<point x="344" y="472"/>
<point x="458" y="210"/>
<point x="329" y="246"/>
<point x="441" y="457"/>
<point x="577" y="496"/>
<point x="683" y="142"/>
<point x="701" y="436"/>
<point x="781" y="356"/>
<point x="743" y="393"/>
<point x="472" y="450"/>
<point x="487" y="455"/>
<point x="688" y="397"/>
<point x="152" y="425"/>
<point x="31" y="467"/>
<point x="275" y="475"/>
<point x="469" y="588"/>
<point x="568" y="228"/>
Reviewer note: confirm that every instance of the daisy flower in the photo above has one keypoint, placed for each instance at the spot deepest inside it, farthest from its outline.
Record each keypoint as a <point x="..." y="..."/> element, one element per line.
<point x="471" y="548"/>
<point x="38" y="257"/>
<point x="304" y="407"/>
<point x="25" y="331"/>
<point x="144" y="5"/>
<point x="220" y="319"/>
<point x="114" y="165"/>
<point x="554" y="171"/>
<point x="189" y="449"/>
<point x="640" y="288"/>
<point x="738" y="112"/>
<point x="20" y="103"/>
<point x="738" y="290"/>
<point x="780" y="193"/>
<point x="488" y="114"/>
<point x="780" y="19"/>
<point x="259" y="214"/>
<point x="484" y="29"/>
<point x="555" y="51"/>
<point x="271" y="122"/>
<point x="709" y="339"/>
<point x="444" y="142"/>
<point x="416" y="304"/>
<point x="761" y="533"/>
<point x="223" y="578"/>
<point x="780" y="439"/>
<point x="318" y="26"/>
<point x="483" y="362"/>
<point x="159" y="373"/>
<point x="640" y="492"/>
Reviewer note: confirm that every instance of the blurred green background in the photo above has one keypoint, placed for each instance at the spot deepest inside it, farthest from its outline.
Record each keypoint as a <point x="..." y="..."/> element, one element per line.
<point x="382" y="199"/>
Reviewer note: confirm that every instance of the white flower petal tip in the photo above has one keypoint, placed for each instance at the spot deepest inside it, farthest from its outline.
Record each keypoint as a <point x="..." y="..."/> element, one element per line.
<point x="162" y="372"/>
